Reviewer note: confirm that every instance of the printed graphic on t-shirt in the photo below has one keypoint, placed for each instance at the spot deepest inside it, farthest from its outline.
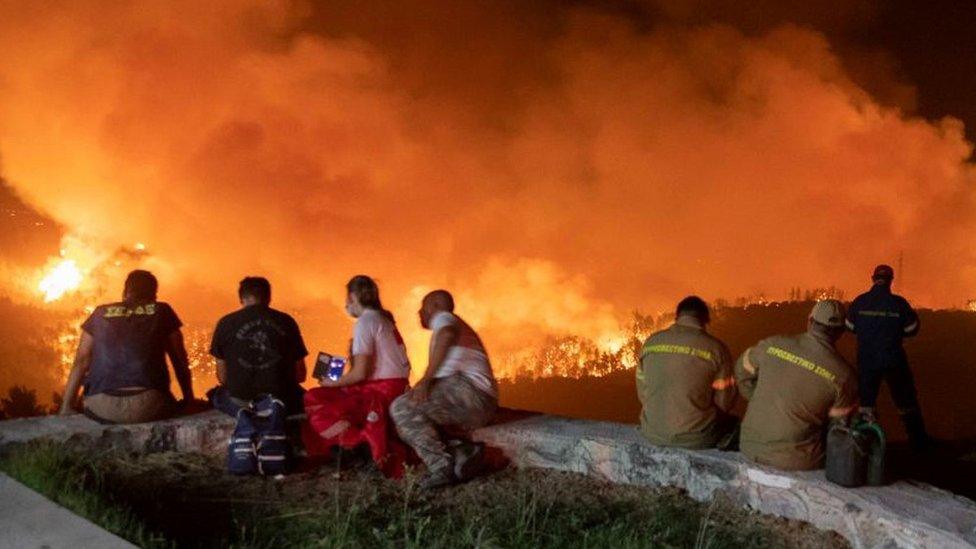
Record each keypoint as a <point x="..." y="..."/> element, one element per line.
<point x="117" y="311"/>
<point x="259" y="352"/>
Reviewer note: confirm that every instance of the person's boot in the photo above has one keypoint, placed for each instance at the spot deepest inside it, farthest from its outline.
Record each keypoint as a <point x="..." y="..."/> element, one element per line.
<point x="438" y="478"/>
<point x="730" y="442"/>
<point x="918" y="438"/>
<point x="351" y="458"/>
<point x="468" y="459"/>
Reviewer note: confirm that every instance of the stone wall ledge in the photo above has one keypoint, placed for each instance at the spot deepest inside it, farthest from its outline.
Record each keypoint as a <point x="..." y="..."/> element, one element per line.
<point x="903" y="514"/>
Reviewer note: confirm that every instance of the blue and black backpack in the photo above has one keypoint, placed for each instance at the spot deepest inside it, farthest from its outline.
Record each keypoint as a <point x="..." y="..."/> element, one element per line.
<point x="259" y="443"/>
<point x="242" y="457"/>
<point x="272" y="447"/>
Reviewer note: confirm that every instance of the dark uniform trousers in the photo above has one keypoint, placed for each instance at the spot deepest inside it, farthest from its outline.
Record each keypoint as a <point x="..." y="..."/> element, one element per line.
<point x="892" y="369"/>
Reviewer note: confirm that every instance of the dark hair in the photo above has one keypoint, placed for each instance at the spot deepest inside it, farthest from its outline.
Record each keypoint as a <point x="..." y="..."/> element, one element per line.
<point x="140" y="286"/>
<point x="257" y="287"/>
<point x="693" y="305"/>
<point x="365" y="288"/>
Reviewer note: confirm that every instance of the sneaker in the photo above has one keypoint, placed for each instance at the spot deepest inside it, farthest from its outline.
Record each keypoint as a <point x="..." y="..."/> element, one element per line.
<point x="468" y="460"/>
<point x="437" y="479"/>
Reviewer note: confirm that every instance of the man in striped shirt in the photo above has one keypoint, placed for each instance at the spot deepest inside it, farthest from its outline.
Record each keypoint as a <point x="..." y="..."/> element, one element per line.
<point x="685" y="382"/>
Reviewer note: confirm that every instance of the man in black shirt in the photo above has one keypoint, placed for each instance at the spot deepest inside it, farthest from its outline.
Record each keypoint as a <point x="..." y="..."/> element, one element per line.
<point x="259" y="350"/>
<point x="121" y="358"/>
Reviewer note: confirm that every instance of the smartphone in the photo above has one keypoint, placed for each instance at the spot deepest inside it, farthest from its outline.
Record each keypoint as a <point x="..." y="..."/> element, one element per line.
<point x="329" y="366"/>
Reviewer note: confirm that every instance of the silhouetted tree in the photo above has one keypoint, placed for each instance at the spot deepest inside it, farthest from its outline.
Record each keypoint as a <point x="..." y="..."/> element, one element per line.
<point x="21" y="402"/>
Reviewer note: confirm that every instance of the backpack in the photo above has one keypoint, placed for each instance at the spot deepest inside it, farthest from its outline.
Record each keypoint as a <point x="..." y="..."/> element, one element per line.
<point x="242" y="456"/>
<point x="259" y="444"/>
<point x="274" y="452"/>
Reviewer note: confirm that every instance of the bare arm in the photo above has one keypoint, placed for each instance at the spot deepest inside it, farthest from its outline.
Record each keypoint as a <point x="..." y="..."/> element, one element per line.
<point x="181" y="363"/>
<point x="362" y="367"/>
<point x="441" y="342"/>
<point x="78" y="372"/>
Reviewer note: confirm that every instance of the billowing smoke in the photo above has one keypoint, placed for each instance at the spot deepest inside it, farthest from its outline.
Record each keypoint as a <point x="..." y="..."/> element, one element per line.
<point x="556" y="166"/>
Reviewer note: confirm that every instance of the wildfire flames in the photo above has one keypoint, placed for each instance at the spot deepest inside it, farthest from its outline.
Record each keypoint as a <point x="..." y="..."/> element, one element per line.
<point x="62" y="279"/>
<point x="612" y="168"/>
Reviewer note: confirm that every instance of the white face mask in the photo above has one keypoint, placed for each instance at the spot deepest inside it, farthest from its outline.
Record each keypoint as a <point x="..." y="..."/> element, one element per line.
<point x="353" y="308"/>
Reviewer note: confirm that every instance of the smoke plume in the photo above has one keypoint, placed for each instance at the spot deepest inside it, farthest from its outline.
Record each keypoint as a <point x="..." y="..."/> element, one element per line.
<point x="556" y="166"/>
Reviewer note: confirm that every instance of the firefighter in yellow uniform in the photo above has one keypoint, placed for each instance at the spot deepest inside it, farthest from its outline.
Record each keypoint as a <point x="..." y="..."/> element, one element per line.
<point x="686" y="383"/>
<point x="795" y="386"/>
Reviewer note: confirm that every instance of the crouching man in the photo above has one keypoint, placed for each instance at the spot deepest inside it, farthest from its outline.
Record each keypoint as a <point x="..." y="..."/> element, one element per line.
<point x="795" y="386"/>
<point x="686" y="384"/>
<point x="458" y="390"/>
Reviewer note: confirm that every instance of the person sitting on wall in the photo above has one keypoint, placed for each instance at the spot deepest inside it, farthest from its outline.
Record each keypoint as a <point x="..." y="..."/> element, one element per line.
<point x="458" y="390"/>
<point x="686" y="383"/>
<point x="259" y="350"/>
<point x="121" y="358"/>
<point x="354" y="409"/>
<point x="795" y="386"/>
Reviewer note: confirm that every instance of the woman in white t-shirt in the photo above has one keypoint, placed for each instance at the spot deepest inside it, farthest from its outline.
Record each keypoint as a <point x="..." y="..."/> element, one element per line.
<point x="354" y="409"/>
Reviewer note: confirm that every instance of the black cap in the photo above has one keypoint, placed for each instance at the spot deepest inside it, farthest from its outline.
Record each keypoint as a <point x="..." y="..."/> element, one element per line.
<point x="883" y="272"/>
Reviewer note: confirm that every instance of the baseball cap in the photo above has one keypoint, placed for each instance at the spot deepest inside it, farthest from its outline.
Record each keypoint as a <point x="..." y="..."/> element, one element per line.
<point x="883" y="271"/>
<point x="828" y="312"/>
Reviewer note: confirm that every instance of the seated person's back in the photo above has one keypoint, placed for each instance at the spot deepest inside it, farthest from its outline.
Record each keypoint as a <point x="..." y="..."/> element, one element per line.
<point x="795" y="385"/>
<point x="130" y="343"/>
<point x="122" y="357"/>
<point x="376" y="335"/>
<point x="259" y="350"/>
<point x="685" y="382"/>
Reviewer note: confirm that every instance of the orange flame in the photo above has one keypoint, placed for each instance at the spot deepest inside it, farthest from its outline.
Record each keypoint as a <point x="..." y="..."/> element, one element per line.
<point x="63" y="278"/>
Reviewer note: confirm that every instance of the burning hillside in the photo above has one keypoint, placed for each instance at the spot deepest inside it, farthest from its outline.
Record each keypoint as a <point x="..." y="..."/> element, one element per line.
<point x="555" y="174"/>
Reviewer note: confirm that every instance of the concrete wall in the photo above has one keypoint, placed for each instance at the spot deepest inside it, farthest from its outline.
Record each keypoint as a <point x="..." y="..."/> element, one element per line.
<point x="904" y="514"/>
<point x="28" y="520"/>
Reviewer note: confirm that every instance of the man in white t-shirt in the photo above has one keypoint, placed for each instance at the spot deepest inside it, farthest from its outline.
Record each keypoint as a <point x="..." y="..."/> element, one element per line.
<point x="458" y="390"/>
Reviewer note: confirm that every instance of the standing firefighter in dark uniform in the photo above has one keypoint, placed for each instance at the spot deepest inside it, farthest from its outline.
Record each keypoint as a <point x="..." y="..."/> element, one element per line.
<point x="881" y="320"/>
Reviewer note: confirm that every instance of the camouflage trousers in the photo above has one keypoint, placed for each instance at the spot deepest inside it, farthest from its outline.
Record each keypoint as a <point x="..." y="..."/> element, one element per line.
<point x="453" y="401"/>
